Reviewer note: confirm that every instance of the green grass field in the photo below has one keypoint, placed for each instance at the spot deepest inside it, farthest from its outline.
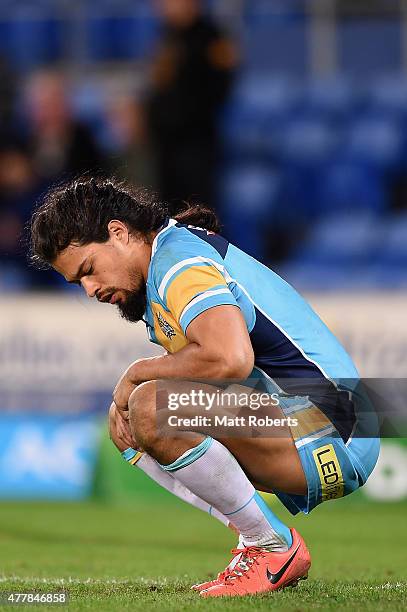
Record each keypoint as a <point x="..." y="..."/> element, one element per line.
<point x="146" y="557"/>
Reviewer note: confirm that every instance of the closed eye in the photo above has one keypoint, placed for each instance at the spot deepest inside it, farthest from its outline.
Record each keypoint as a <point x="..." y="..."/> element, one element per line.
<point x="78" y="282"/>
<point x="81" y="272"/>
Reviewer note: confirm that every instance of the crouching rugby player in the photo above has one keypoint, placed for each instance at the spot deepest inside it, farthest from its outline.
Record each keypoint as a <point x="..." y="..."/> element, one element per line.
<point x="220" y="315"/>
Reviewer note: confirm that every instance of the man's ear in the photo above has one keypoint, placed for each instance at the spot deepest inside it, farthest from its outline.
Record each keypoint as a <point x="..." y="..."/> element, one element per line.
<point x="118" y="231"/>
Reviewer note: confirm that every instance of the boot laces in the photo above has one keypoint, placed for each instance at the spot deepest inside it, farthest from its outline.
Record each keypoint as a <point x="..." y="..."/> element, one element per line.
<point x="223" y="575"/>
<point x="249" y="558"/>
<point x="235" y="552"/>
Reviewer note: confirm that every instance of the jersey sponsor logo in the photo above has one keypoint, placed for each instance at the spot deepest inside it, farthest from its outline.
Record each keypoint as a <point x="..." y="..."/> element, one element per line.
<point x="330" y="473"/>
<point x="165" y="326"/>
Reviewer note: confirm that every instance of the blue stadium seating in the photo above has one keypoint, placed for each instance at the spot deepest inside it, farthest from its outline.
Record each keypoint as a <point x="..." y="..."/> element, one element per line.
<point x="244" y="133"/>
<point x="276" y="37"/>
<point x="321" y="276"/>
<point x="393" y="252"/>
<point x="32" y="41"/>
<point x="111" y="37"/>
<point x="35" y="33"/>
<point x="89" y="102"/>
<point x="306" y="146"/>
<point x="343" y="186"/>
<point x="320" y="152"/>
<point x="306" y="142"/>
<point x="13" y="278"/>
<point x="341" y="239"/>
<point x="352" y="252"/>
<point x="375" y="140"/>
<point x="331" y="99"/>
<point x="272" y="96"/>
<point x="369" y="47"/>
<point x="387" y="95"/>
<point x="255" y="117"/>
<point x="248" y="195"/>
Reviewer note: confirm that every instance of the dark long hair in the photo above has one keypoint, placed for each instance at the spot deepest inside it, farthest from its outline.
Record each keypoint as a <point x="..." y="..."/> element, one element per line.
<point x="79" y="211"/>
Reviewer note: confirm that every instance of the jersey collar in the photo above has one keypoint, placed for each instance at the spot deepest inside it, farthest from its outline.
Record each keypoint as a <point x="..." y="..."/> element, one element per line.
<point x="168" y="223"/>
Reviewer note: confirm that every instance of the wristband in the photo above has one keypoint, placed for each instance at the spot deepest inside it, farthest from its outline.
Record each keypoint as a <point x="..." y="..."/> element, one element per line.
<point x="131" y="456"/>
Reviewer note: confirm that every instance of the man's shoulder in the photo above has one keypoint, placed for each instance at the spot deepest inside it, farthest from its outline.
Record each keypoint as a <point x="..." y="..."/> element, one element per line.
<point x="180" y="248"/>
<point x="180" y="242"/>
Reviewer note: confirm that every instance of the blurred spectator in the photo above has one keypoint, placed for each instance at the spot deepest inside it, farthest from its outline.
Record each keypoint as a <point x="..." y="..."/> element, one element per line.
<point x="58" y="143"/>
<point x="7" y="96"/>
<point x="19" y="188"/>
<point x="17" y="192"/>
<point x="398" y="193"/>
<point x="191" y="77"/>
<point x="132" y="159"/>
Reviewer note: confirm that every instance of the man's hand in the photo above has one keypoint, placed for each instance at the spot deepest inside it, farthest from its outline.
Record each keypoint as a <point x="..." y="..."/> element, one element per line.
<point x="133" y="376"/>
<point x="122" y="392"/>
<point x="120" y="430"/>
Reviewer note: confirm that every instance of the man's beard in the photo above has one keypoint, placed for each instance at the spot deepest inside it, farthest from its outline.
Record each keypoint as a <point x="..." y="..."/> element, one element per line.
<point x="133" y="307"/>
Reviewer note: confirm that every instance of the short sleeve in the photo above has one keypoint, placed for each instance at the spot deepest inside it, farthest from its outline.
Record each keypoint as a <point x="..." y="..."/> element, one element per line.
<point x="193" y="285"/>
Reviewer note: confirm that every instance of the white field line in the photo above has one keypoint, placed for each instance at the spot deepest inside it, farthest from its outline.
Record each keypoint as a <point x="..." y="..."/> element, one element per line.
<point x="147" y="581"/>
<point x="79" y="581"/>
<point x="391" y="585"/>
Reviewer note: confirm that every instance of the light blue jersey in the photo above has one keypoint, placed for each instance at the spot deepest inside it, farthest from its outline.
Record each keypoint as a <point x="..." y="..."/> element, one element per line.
<point x="192" y="270"/>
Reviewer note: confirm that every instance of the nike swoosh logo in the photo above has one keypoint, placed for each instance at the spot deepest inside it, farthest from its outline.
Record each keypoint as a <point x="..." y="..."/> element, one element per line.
<point x="274" y="578"/>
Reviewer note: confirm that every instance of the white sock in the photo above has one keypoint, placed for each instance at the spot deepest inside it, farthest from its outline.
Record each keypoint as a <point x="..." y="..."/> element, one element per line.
<point x="211" y="472"/>
<point x="166" y="480"/>
<point x="236" y="558"/>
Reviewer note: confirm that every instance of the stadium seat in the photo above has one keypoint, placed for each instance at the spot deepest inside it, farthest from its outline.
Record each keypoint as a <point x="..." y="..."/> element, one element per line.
<point x="249" y="195"/>
<point x="256" y="115"/>
<point x="243" y="133"/>
<point x="274" y="97"/>
<point x="303" y="149"/>
<point x="341" y="239"/>
<point x="388" y="96"/>
<point x="386" y="277"/>
<point x="111" y="37"/>
<point x="347" y="187"/>
<point x="13" y="278"/>
<point x="368" y="46"/>
<point x="375" y="140"/>
<point x="393" y="250"/>
<point x="89" y="102"/>
<point x="325" y="276"/>
<point x="299" y="193"/>
<point x="307" y="142"/>
<point x="330" y="99"/>
<point x="276" y="37"/>
<point x="32" y="40"/>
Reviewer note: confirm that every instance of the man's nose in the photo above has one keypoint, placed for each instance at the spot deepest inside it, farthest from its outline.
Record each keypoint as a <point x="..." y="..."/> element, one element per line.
<point x="90" y="286"/>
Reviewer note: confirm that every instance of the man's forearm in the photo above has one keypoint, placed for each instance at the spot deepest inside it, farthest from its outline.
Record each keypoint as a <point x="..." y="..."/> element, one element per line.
<point x="190" y="362"/>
